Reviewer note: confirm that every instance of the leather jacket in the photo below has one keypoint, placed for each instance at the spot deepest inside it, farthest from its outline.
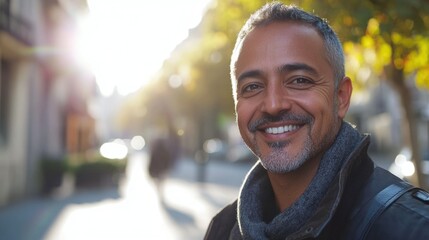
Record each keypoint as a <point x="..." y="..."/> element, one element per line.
<point x="357" y="184"/>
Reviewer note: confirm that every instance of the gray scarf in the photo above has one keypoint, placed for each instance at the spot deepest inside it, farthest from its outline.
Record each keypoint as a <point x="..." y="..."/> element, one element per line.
<point x="256" y="191"/>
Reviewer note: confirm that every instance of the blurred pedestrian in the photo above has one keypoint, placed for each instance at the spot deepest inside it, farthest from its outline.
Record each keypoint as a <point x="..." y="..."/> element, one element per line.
<point x="314" y="178"/>
<point x="164" y="153"/>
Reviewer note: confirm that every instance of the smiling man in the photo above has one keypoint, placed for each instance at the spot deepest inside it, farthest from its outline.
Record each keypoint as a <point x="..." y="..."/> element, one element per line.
<point x="314" y="179"/>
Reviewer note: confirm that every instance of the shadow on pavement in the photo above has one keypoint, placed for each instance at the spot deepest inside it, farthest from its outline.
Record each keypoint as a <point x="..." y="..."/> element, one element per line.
<point x="32" y="219"/>
<point x="178" y="216"/>
<point x="212" y="197"/>
<point x="221" y="179"/>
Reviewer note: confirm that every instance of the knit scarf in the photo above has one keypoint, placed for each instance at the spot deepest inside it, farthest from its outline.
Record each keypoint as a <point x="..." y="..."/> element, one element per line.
<point x="256" y="193"/>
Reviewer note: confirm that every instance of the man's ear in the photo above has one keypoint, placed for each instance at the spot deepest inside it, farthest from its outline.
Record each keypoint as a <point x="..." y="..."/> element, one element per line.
<point x="344" y="93"/>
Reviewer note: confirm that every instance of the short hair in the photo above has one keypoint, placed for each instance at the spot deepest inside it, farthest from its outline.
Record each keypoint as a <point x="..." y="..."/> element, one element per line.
<point x="278" y="12"/>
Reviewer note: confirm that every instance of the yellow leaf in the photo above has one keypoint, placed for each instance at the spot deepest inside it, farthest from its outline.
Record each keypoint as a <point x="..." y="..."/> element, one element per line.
<point x="396" y="38"/>
<point x="422" y="78"/>
<point x="373" y="27"/>
<point x="367" y="41"/>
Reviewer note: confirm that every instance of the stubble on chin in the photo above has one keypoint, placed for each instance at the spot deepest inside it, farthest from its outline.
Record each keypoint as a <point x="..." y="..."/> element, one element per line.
<point x="280" y="160"/>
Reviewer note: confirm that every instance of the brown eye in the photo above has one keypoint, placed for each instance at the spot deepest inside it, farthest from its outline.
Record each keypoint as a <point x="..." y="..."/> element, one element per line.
<point x="300" y="83"/>
<point x="251" y="87"/>
<point x="250" y="90"/>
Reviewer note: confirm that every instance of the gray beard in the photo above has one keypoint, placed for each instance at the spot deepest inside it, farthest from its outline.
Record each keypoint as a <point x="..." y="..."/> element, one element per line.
<point x="280" y="161"/>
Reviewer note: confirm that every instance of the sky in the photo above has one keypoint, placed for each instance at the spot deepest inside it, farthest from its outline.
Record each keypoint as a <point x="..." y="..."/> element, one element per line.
<point x="125" y="42"/>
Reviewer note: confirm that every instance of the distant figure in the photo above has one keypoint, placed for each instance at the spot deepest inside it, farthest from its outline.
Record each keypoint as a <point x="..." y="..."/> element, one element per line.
<point x="163" y="156"/>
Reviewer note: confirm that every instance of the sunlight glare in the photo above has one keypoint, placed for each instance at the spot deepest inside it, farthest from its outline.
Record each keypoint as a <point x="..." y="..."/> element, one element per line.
<point x="124" y="43"/>
<point x="115" y="149"/>
<point x="138" y="142"/>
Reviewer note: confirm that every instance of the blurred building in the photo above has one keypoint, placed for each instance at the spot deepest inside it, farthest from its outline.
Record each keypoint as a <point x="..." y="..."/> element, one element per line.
<point x="44" y="94"/>
<point x="381" y="115"/>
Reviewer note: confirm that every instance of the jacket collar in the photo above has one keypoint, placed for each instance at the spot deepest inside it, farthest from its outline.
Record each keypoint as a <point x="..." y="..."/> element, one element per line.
<point x="332" y="203"/>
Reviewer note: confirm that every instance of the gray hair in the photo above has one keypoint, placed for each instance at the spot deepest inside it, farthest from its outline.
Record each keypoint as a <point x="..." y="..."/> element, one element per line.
<point x="278" y="12"/>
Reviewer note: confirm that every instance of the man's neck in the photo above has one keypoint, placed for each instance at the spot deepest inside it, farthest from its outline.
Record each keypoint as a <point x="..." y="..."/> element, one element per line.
<point x="288" y="187"/>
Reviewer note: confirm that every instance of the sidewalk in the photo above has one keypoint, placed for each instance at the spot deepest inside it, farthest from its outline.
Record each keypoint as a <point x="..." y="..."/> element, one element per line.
<point x="134" y="211"/>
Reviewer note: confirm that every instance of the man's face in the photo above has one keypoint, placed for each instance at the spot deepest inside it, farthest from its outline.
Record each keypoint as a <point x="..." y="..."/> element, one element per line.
<point x="285" y="105"/>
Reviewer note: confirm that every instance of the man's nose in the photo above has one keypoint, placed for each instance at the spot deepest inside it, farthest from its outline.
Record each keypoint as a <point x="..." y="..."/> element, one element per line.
<point x="276" y="100"/>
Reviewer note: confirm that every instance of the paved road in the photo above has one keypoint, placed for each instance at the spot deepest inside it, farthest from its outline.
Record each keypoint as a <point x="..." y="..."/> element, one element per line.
<point x="134" y="211"/>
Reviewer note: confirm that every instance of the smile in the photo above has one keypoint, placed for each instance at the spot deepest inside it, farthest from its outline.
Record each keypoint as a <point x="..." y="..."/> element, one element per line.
<point x="281" y="129"/>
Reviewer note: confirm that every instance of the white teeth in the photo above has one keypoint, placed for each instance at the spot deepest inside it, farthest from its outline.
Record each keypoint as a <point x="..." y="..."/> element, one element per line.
<point x="282" y="129"/>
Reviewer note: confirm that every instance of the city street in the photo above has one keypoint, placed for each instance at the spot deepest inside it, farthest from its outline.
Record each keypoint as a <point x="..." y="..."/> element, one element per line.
<point x="134" y="211"/>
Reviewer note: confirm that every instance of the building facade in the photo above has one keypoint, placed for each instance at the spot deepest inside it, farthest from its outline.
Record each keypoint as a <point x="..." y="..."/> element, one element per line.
<point x="43" y="95"/>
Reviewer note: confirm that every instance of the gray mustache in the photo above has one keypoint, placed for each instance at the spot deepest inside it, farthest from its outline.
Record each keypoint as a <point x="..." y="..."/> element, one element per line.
<point x="297" y="118"/>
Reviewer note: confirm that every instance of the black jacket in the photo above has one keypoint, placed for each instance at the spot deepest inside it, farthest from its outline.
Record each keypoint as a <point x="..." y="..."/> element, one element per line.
<point x="351" y="208"/>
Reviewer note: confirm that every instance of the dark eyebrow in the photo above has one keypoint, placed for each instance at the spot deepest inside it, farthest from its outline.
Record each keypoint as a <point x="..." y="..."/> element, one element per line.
<point x="290" y="67"/>
<point x="249" y="74"/>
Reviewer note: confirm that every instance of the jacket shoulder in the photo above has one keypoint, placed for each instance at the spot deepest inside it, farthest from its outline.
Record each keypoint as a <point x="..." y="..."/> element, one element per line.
<point x="222" y="223"/>
<point x="406" y="218"/>
<point x="389" y="208"/>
